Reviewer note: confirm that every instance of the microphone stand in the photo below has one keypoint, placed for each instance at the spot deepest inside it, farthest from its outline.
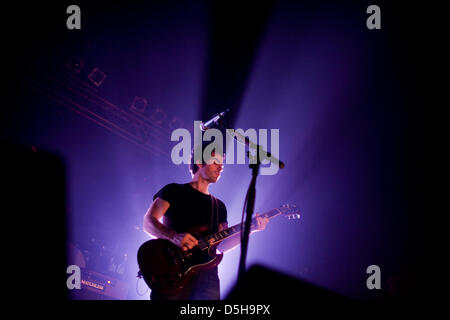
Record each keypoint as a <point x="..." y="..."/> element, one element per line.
<point x="251" y="195"/>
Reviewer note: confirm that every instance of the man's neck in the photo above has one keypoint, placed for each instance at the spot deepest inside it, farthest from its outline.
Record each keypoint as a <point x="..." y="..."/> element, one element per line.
<point x="200" y="184"/>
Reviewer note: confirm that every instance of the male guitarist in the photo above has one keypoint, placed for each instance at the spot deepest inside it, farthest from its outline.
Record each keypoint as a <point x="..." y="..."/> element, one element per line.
<point x="190" y="205"/>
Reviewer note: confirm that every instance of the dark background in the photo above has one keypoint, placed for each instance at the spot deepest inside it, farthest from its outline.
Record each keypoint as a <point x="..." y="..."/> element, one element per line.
<point x="345" y="99"/>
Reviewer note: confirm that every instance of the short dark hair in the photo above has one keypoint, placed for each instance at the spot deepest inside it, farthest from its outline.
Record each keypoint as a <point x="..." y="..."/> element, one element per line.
<point x="193" y="167"/>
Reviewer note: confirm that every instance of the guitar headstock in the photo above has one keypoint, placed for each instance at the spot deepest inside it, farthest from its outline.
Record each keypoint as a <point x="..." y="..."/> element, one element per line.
<point x="291" y="211"/>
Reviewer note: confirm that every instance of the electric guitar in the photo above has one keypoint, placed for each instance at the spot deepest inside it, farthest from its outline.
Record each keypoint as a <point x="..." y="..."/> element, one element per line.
<point x="166" y="268"/>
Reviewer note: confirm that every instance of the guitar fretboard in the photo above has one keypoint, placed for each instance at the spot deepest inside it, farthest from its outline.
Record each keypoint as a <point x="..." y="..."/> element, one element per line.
<point x="217" y="237"/>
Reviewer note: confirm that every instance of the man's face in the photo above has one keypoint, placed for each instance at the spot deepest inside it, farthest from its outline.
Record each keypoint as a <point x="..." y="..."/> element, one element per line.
<point x="213" y="168"/>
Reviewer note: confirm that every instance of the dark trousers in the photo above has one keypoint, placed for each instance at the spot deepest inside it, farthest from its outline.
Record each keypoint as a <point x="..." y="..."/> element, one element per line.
<point x="204" y="285"/>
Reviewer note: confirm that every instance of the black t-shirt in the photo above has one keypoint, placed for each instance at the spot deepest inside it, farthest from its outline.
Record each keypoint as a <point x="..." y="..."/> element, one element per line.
<point x="191" y="208"/>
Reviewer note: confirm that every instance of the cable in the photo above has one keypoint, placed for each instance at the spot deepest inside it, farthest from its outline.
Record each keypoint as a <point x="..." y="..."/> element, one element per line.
<point x="137" y="290"/>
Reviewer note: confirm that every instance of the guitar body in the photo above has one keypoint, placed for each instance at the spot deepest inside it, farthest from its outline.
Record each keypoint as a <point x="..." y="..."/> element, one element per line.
<point x="166" y="268"/>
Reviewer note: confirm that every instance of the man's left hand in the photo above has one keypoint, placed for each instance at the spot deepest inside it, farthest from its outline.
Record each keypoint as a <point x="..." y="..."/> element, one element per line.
<point x="261" y="222"/>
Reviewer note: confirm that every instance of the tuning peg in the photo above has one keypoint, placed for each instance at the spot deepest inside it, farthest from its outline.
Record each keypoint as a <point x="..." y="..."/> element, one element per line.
<point x="293" y="216"/>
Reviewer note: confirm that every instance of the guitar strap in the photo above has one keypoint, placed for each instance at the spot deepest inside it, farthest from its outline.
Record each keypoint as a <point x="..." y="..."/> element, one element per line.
<point x="214" y="214"/>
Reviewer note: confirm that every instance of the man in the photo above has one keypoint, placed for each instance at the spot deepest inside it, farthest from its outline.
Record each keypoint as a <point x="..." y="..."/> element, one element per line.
<point x="189" y="205"/>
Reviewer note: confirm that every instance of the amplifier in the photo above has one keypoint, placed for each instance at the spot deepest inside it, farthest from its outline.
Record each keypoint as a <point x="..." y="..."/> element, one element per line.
<point x="97" y="286"/>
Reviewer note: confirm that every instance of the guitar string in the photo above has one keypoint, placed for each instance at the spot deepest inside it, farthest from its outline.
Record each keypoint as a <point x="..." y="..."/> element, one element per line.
<point x="224" y="233"/>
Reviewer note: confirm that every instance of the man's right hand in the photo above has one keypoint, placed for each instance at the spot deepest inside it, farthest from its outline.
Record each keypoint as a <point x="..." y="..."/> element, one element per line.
<point x="185" y="241"/>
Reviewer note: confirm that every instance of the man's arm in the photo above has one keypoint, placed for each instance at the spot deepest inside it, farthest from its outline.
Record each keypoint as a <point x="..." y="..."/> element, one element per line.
<point x="152" y="226"/>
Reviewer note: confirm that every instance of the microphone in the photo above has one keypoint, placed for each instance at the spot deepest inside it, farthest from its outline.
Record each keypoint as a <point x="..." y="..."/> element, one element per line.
<point x="213" y="121"/>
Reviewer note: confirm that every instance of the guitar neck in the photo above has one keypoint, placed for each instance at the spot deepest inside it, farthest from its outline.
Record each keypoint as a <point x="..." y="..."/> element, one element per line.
<point x="218" y="237"/>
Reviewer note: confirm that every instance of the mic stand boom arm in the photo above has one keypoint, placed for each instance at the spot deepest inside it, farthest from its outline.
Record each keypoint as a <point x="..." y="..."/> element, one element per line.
<point x="261" y="154"/>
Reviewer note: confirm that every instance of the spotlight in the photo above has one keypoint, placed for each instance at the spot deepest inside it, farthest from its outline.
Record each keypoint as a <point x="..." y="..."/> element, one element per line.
<point x="139" y="104"/>
<point x="175" y="123"/>
<point x="75" y="64"/>
<point x="97" y="76"/>
<point x="158" y="115"/>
